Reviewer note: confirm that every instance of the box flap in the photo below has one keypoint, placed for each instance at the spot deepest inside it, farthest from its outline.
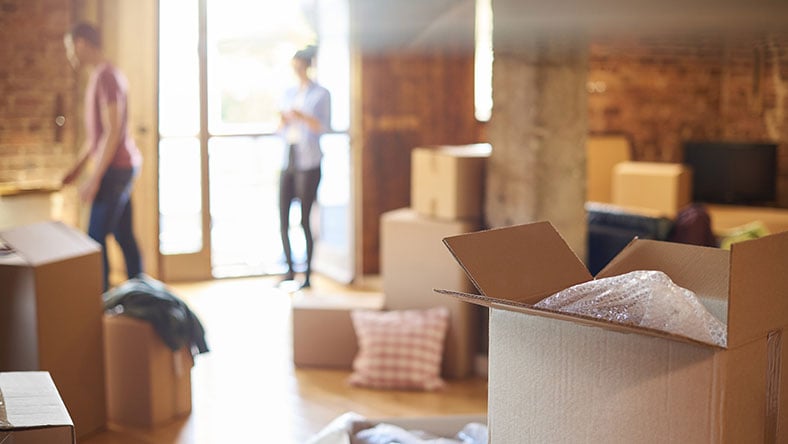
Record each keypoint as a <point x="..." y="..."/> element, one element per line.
<point x="703" y="270"/>
<point x="758" y="288"/>
<point x="514" y="268"/>
<point x="523" y="263"/>
<point x="47" y="242"/>
<point x="30" y="400"/>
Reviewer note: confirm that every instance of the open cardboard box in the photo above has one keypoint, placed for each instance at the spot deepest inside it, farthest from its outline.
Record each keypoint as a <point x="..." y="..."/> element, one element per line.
<point x="344" y="428"/>
<point x="557" y="377"/>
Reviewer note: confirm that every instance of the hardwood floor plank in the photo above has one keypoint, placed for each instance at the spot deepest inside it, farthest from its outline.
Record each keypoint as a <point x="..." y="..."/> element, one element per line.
<point x="246" y="388"/>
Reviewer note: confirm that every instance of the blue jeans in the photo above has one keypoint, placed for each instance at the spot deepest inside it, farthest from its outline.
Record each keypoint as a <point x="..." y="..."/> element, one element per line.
<point x="111" y="213"/>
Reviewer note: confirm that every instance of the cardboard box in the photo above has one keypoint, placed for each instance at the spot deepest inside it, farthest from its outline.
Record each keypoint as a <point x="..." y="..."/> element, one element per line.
<point x="665" y="187"/>
<point x="314" y="345"/>
<point x="447" y="182"/>
<point x="603" y="153"/>
<point x="148" y="384"/>
<point x="725" y="218"/>
<point x="556" y="377"/>
<point x="31" y="411"/>
<point x="51" y="314"/>
<point x="413" y="261"/>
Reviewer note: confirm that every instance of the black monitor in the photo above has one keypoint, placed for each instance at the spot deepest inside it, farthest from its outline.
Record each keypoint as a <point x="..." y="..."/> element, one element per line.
<point x="740" y="173"/>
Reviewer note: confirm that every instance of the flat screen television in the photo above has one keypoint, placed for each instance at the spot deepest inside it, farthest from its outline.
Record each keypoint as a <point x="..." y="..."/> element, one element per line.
<point x="739" y="173"/>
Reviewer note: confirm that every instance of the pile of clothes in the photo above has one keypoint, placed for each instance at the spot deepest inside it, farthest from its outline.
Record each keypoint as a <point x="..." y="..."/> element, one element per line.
<point x="147" y="299"/>
<point x="352" y="428"/>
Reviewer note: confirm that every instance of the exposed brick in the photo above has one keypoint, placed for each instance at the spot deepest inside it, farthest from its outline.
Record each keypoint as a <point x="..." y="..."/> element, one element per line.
<point x="33" y="74"/>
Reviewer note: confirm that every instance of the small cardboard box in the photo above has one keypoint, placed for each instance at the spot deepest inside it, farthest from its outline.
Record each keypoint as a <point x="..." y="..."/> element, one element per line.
<point x="413" y="262"/>
<point x="665" y="187"/>
<point x="314" y="345"/>
<point x="556" y="377"/>
<point x="603" y="153"/>
<point x="50" y="314"/>
<point x="31" y="411"/>
<point x="148" y="384"/>
<point x="447" y="182"/>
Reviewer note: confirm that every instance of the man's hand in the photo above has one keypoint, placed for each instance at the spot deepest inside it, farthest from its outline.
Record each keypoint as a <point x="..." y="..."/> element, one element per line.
<point x="88" y="190"/>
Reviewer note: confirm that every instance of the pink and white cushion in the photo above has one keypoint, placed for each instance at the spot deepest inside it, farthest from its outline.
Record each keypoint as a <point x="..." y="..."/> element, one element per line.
<point x="399" y="349"/>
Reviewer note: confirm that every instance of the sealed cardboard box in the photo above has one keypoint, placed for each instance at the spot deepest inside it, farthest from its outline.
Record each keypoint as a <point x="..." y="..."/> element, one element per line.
<point x="51" y="314"/>
<point x="31" y="411"/>
<point x="148" y="384"/>
<point x="413" y="262"/>
<point x="314" y="345"/>
<point x="558" y="377"/>
<point x="448" y="182"/>
<point x="603" y="153"/>
<point x="665" y="187"/>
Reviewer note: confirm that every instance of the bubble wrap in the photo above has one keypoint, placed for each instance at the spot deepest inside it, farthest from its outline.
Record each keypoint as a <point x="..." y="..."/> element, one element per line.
<point x="641" y="298"/>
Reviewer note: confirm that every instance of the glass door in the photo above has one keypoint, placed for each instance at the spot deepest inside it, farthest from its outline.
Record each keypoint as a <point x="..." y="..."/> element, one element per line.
<point x="224" y="65"/>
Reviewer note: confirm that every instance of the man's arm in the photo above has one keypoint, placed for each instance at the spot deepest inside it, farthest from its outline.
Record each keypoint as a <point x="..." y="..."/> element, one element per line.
<point x="76" y="169"/>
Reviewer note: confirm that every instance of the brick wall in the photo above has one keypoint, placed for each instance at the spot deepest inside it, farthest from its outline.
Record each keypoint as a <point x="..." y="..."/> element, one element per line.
<point x="661" y="91"/>
<point x="36" y="86"/>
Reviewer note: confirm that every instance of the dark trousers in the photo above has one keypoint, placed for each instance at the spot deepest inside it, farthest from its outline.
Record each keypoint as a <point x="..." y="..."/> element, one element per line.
<point x="301" y="185"/>
<point x="111" y="213"/>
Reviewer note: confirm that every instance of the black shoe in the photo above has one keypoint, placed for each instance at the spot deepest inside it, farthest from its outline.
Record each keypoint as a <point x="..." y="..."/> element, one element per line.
<point x="306" y="285"/>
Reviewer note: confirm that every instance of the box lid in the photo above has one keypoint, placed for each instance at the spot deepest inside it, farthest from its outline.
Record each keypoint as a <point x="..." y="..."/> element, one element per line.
<point x="515" y="267"/>
<point x="30" y="400"/>
<point x="47" y="242"/>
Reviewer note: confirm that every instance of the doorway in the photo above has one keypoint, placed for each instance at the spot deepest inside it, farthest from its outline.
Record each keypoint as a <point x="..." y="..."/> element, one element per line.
<point x="223" y="66"/>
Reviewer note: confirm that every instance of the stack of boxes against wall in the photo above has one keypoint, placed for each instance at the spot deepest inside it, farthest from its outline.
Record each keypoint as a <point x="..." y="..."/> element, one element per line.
<point x="659" y="189"/>
<point x="447" y="189"/>
<point x="447" y="195"/>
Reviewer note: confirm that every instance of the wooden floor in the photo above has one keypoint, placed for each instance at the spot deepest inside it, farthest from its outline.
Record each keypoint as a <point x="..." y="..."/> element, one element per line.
<point x="246" y="389"/>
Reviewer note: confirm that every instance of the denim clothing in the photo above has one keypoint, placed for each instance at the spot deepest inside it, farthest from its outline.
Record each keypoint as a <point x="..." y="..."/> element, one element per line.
<point x="301" y="185"/>
<point x="111" y="213"/>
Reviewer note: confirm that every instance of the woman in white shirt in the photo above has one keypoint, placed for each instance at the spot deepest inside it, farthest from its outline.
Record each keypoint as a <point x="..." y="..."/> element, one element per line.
<point x="305" y="116"/>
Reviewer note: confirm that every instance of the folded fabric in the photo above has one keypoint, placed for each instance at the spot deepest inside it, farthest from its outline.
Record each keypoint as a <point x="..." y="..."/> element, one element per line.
<point x="644" y="298"/>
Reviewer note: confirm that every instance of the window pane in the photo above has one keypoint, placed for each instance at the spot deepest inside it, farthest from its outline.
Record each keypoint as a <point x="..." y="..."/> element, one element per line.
<point x="180" y="203"/>
<point x="179" y="72"/>
<point x="244" y="176"/>
<point x="249" y="52"/>
<point x="334" y="192"/>
<point x="333" y="60"/>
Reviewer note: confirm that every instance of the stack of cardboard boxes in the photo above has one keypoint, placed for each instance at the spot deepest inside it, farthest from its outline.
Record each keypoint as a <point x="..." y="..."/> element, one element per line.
<point x="447" y="195"/>
<point x="106" y="368"/>
<point x="50" y="314"/>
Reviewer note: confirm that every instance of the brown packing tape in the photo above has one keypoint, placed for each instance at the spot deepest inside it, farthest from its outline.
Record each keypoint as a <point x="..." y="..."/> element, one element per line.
<point x="773" y="357"/>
